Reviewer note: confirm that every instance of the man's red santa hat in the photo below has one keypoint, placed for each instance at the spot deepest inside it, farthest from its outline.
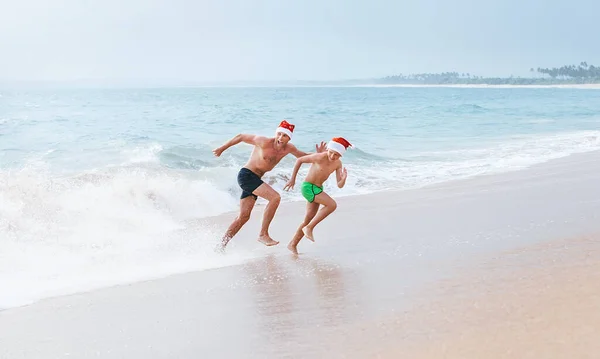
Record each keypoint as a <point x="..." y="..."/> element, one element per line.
<point x="339" y="145"/>
<point x="286" y="128"/>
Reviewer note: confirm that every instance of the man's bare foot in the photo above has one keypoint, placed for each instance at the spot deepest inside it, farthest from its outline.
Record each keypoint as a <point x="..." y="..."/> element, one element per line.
<point x="220" y="248"/>
<point x="308" y="233"/>
<point x="293" y="248"/>
<point x="267" y="241"/>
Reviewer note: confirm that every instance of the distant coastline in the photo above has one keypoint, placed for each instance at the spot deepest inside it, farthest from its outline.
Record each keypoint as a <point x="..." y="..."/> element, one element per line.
<point x="570" y="75"/>
<point x="581" y="76"/>
<point x="487" y="81"/>
<point x="591" y="86"/>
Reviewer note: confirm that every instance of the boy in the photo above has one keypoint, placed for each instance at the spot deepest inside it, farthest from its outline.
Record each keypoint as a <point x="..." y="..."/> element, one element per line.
<point x="323" y="165"/>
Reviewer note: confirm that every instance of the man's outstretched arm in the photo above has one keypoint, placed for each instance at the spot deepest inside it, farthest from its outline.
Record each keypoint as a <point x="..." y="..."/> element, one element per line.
<point x="318" y="149"/>
<point x="249" y="139"/>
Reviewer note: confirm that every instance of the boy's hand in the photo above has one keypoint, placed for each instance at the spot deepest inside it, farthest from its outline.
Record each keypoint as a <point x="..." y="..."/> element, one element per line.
<point x="344" y="174"/>
<point x="218" y="151"/>
<point x="289" y="185"/>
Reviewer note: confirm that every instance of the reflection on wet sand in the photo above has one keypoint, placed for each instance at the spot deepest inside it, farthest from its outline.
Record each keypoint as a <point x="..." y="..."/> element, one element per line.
<point x="298" y="300"/>
<point x="273" y="295"/>
<point x="330" y="286"/>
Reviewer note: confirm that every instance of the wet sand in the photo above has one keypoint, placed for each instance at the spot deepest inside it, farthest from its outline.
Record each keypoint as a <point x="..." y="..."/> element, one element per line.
<point x="539" y="301"/>
<point x="545" y="310"/>
<point x="499" y="266"/>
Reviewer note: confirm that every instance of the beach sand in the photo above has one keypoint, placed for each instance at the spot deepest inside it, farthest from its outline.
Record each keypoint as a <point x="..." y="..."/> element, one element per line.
<point x="500" y="266"/>
<point x="539" y="301"/>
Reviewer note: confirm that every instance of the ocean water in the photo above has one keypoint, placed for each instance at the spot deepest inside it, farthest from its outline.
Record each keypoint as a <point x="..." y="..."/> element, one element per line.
<point x="98" y="186"/>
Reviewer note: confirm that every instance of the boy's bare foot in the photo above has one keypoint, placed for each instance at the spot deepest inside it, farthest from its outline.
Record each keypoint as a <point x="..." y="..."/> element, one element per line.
<point x="293" y="248"/>
<point x="267" y="241"/>
<point x="308" y="233"/>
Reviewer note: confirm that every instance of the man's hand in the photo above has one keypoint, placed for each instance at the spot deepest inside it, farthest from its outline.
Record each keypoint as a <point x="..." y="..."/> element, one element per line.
<point x="322" y="147"/>
<point x="290" y="185"/>
<point x="218" y="151"/>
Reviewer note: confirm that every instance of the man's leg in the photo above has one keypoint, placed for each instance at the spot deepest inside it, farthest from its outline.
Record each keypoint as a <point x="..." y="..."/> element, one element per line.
<point x="329" y="206"/>
<point x="311" y="211"/>
<point x="267" y="192"/>
<point x="246" y="206"/>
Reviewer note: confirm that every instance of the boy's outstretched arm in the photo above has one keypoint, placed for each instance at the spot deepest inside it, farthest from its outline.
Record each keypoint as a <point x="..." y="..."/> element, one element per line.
<point x="341" y="174"/>
<point x="299" y="162"/>
<point x="318" y="148"/>
<point x="249" y="139"/>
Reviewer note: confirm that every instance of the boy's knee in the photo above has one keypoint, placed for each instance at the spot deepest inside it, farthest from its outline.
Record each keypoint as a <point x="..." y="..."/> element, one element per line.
<point x="333" y="206"/>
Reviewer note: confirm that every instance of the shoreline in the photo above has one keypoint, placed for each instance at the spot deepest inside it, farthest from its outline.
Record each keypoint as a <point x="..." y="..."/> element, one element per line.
<point x="375" y="259"/>
<point x="451" y="183"/>
<point x="239" y="254"/>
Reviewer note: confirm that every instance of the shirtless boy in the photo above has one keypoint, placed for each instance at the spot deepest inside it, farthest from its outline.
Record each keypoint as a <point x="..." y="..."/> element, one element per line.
<point x="267" y="153"/>
<point x="323" y="165"/>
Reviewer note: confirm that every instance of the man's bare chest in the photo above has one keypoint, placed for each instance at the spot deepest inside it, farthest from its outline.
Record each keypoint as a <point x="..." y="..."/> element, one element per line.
<point x="271" y="156"/>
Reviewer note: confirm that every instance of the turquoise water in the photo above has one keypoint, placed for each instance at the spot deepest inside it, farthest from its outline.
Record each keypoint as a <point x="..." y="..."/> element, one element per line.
<point x="405" y="137"/>
<point x="96" y="179"/>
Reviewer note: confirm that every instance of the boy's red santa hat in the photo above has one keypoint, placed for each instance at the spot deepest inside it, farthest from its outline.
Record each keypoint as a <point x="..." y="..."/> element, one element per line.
<point x="286" y="128"/>
<point x="339" y="145"/>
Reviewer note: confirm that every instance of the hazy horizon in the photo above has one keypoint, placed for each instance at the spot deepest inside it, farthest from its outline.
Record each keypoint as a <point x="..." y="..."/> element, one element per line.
<point x="234" y="41"/>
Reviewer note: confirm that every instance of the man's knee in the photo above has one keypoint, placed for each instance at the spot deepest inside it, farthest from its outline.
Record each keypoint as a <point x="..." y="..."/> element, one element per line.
<point x="244" y="217"/>
<point x="275" y="199"/>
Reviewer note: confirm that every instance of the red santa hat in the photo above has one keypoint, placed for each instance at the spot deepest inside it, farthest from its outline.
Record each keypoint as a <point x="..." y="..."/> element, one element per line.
<point x="286" y="128"/>
<point x="339" y="145"/>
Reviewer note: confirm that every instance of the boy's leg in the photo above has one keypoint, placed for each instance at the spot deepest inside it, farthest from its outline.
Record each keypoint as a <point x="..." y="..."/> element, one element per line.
<point x="311" y="211"/>
<point x="267" y="192"/>
<point x="246" y="206"/>
<point x="329" y="206"/>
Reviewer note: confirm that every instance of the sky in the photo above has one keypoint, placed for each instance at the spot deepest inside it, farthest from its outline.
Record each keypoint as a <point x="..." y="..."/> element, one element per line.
<point x="270" y="40"/>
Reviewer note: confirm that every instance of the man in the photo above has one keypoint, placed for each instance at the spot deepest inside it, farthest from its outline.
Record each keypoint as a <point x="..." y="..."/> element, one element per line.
<point x="267" y="153"/>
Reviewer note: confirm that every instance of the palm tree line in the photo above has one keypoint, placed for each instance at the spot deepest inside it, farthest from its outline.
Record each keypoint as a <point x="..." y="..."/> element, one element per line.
<point x="567" y="74"/>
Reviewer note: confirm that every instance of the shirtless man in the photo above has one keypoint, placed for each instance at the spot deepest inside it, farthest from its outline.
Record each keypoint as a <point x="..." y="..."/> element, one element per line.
<point x="267" y="153"/>
<point x="323" y="165"/>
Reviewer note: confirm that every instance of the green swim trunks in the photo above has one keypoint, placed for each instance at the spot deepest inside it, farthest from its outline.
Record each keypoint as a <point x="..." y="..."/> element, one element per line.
<point x="309" y="191"/>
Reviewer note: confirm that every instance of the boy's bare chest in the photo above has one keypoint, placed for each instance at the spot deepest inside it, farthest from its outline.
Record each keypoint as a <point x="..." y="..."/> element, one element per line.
<point x="325" y="167"/>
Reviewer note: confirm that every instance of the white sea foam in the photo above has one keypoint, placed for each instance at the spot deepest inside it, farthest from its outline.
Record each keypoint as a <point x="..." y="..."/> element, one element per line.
<point x="367" y="175"/>
<point x="142" y="154"/>
<point x="61" y="235"/>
